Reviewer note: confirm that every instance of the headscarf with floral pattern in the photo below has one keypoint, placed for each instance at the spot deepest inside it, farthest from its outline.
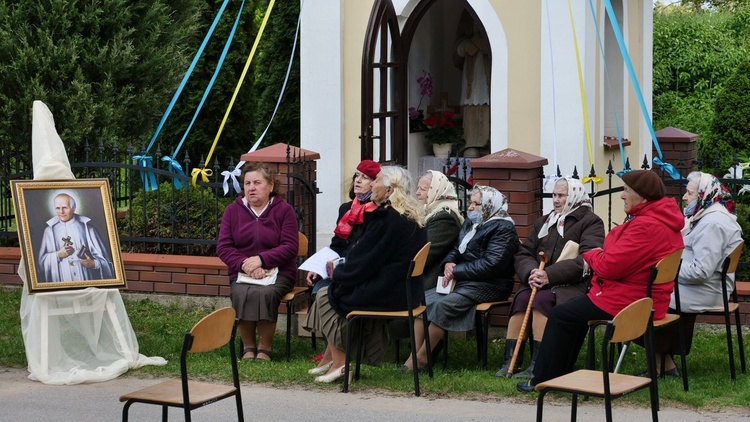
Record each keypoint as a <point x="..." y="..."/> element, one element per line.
<point x="712" y="197"/>
<point x="441" y="196"/>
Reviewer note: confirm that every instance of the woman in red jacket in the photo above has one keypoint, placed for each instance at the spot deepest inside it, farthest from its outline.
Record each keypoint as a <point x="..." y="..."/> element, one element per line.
<point x="621" y="271"/>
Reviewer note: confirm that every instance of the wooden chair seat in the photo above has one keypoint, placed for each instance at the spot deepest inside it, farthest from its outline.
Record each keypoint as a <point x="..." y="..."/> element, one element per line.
<point x="355" y="321"/>
<point x="215" y="330"/>
<point x="171" y="392"/>
<point x="590" y="382"/>
<point x="668" y="319"/>
<point x="629" y="324"/>
<point x="386" y="314"/>
<point x="730" y="308"/>
<point x="720" y="311"/>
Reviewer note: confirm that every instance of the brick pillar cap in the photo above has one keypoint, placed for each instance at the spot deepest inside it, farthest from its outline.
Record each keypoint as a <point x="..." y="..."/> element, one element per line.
<point x="672" y="134"/>
<point x="509" y="158"/>
<point x="276" y="153"/>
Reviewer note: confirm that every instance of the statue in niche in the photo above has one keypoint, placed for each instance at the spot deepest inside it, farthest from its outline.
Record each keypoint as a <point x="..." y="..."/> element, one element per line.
<point x="473" y="58"/>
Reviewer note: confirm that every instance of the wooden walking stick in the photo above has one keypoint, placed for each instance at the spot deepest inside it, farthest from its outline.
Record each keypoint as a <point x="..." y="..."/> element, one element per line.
<point x="542" y="263"/>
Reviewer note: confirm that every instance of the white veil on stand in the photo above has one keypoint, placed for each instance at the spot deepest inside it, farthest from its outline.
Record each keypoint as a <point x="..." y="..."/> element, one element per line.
<point x="73" y="336"/>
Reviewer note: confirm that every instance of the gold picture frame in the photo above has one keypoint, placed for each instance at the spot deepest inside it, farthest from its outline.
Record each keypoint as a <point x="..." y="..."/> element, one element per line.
<point x="68" y="234"/>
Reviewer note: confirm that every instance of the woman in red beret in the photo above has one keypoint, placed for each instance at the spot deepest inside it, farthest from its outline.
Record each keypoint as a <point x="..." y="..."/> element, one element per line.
<point x="350" y="221"/>
<point x="621" y="271"/>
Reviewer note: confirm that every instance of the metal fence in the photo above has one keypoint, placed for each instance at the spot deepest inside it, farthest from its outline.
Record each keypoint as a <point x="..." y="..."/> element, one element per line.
<point x="175" y="218"/>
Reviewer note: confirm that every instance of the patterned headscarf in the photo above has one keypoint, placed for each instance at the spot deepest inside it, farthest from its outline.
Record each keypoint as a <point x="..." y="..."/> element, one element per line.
<point x="441" y="196"/>
<point x="494" y="207"/>
<point x="712" y="197"/>
<point x="577" y="197"/>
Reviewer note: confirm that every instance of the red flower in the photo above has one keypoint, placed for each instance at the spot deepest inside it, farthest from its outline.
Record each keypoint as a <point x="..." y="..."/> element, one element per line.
<point x="430" y="121"/>
<point x="448" y="115"/>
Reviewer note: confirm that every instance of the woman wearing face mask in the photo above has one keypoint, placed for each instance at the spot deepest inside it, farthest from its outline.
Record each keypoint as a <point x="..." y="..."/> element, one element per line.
<point x="481" y="263"/>
<point x="711" y="233"/>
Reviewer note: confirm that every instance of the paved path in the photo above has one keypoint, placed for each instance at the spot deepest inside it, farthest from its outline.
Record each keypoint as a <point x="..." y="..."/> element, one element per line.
<point x="24" y="400"/>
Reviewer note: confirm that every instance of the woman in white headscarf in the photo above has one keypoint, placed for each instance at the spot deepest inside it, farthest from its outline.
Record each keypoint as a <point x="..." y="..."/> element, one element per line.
<point x="570" y="220"/>
<point x="480" y="264"/>
<point x="442" y="219"/>
<point x="711" y="233"/>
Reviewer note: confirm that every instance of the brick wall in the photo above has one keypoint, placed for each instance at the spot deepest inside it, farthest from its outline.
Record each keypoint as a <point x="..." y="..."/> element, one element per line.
<point x="146" y="273"/>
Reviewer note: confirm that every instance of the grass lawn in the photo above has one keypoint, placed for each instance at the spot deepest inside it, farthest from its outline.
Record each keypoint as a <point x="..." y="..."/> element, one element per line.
<point x="160" y="329"/>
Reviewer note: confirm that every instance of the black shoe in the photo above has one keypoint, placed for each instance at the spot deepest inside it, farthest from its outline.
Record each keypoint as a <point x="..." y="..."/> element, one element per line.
<point x="525" y="386"/>
<point x="510" y="347"/>
<point x="674" y="372"/>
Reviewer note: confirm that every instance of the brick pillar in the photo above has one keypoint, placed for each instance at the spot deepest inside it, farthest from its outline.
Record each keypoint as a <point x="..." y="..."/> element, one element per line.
<point x="515" y="174"/>
<point x="678" y="148"/>
<point x="277" y="153"/>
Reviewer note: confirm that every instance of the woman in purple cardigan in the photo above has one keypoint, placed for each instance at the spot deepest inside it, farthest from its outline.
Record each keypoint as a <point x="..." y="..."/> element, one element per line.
<point x="258" y="234"/>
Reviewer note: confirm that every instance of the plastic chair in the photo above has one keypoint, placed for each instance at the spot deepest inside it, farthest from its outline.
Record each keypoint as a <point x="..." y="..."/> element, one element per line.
<point x="213" y="331"/>
<point x="729" y="267"/>
<point x="356" y="317"/>
<point x="630" y="323"/>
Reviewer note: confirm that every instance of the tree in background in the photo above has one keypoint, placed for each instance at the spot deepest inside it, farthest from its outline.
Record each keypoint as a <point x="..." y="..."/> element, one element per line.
<point x="694" y="54"/>
<point x="731" y="120"/>
<point x="105" y="69"/>
<point x="108" y="70"/>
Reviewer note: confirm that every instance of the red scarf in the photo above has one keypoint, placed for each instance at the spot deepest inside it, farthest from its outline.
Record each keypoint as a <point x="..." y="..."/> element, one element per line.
<point x="353" y="217"/>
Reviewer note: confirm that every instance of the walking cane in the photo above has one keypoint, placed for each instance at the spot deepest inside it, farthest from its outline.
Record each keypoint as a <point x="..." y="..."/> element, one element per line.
<point x="542" y="263"/>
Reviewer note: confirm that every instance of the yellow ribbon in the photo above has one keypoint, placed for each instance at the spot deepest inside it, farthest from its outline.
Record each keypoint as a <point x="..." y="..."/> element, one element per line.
<point x="205" y="173"/>
<point x="584" y="106"/>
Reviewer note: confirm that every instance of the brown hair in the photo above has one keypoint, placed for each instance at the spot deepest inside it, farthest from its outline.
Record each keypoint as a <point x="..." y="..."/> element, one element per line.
<point x="266" y="171"/>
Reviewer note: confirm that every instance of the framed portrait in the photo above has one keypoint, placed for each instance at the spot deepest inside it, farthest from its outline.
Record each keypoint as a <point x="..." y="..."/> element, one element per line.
<point x="68" y="234"/>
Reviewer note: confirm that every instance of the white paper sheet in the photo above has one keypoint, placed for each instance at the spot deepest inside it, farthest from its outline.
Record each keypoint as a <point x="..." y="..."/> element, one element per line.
<point x="317" y="262"/>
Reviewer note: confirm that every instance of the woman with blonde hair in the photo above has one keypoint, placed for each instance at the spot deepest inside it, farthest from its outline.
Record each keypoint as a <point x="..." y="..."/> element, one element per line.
<point x="370" y="278"/>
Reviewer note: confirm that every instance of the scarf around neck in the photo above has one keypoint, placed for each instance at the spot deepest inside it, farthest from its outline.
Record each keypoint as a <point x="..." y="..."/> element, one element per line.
<point x="354" y="216"/>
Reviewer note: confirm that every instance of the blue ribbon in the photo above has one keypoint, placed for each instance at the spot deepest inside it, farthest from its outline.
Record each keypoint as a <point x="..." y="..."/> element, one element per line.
<point x="637" y="87"/>
<point x="609" y="85"/>
<point x="174" y="167"/>
<point x="187" y="74"/>
<point x="148" y="177"/>
<point x="213" y="78"/>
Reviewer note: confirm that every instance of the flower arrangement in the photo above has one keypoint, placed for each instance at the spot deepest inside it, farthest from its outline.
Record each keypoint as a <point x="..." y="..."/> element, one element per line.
<point x="443" y="130"/>
<point x="425" y="89"/>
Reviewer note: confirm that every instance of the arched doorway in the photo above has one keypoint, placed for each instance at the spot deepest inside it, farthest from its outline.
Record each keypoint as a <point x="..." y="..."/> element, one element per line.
<point x="394" y="58"/>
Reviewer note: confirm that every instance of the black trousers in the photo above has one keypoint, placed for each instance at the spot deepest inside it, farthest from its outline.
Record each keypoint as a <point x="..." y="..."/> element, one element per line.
<point x="563" y="337"/>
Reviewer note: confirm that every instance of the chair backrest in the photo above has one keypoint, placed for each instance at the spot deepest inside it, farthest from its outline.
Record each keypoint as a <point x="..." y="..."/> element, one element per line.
<point x="303" y="245"/>
<point x="213" y="331"/>
<point x="631" y="322"/>
<point x="420" y="259"/>
<point x="667" y="268"/>
<point x="731" y="262"/>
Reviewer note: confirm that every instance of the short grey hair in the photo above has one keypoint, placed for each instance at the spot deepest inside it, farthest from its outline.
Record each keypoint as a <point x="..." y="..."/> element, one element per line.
<point x="694" y="176"/>
<point x="71" y="200"/>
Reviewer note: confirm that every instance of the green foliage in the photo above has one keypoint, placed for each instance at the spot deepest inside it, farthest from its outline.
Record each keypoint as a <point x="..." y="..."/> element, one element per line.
<point x="105" y="69"/>
<point x="743" y="219"/>
<point x="731" y="121"/>
<point x="186" y="213"/>
<point x="270" y="70"/>
<point x="695" y="54"/>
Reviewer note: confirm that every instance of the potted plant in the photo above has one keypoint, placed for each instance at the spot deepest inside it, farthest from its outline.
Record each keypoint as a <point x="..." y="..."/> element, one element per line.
<point x="442" y="133"/>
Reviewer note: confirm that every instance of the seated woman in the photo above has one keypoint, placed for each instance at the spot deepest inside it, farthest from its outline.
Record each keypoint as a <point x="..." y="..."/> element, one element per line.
<point x="570" y="220"/>
<point x="442" y="219"/>
<point x="711" y="233"/>
<point x="621" y="271"/>
<point x="350" y="222"/>
<point x="371" y="278"/>
<point x="258" y="234"/>
<point x="481" y="262"/>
